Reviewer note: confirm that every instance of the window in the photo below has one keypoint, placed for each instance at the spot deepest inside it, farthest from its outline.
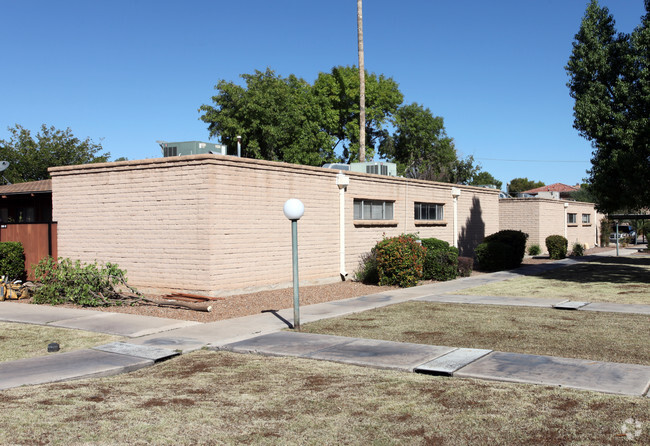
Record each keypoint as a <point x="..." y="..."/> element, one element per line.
<point x="170" y="151"/>
<point x="429" y="211"/>
<point x="586" y="218"/>
<point x="373" y="209"/>
<point x="572" y="219"/>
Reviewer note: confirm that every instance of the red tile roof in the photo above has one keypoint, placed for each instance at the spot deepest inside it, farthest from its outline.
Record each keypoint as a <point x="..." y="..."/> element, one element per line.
<point x="557" y="187"/>
<point x="27" y="188"/>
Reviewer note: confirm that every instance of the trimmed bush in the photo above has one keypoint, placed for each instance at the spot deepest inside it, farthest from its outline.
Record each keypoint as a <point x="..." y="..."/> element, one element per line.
<point x="12" y="261"/>
<point x="534" y="250"/>
<point x="441" y="261"/>
<point x="557" y="246"/>
<point x="465" y="266"/>
<point x="400" y="261"/>
<point x="367" y="271"/>
<point x="508" y="248"/>
<point x="494" y="256"/>
<point x="578" y="250"/>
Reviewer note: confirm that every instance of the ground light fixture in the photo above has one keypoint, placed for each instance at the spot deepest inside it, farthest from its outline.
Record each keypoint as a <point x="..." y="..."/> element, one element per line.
<point x="294" y="210"/>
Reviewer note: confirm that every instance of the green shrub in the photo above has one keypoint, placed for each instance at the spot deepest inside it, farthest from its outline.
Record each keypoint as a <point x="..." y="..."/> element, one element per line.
<point x="441" y="261"/>
<point x="66" y="281"/>
<point x="534" y="250"/>
<point x="465" y="266"/>
<point x="12" y="261"/>
<point x="494" y="256"/>
<point x="605" y="230"/>
<point x="578" y="250"/>
<point x="556" y="246"/>
<point x="400" y="261"/>
<point x="504" y="258"/>
<point x="367" y="271"/>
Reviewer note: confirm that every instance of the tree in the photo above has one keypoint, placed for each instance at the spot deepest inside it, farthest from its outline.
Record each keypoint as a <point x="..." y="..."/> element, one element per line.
<point x="584" y="194"/>
<point x="522" y="184"/>
<point x="339" y="89"/>
<point x="29" y="157"/>
<point x="279" y="119"/>
<point x="421" y="148"/>
<point x="362" y="85"/>
<point x="610" y="83"/>
<point x="485" y="179"/>
<point x="419" y="144"/>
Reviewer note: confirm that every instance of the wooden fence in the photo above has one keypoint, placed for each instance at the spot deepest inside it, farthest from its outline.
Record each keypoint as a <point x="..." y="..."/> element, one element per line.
<point x="38" y="239"/>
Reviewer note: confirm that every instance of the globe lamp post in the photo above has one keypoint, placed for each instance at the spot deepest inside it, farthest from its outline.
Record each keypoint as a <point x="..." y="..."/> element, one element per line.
<point x="293" y="210"/>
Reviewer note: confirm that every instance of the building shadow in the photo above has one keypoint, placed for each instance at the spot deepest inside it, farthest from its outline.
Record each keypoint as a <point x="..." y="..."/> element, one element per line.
<point x="473" y="232"/>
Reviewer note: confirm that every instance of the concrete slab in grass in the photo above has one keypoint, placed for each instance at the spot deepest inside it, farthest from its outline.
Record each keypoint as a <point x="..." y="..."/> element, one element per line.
<point x="609" y="377"/>
<point x="156" y="354"/>
<point x="447" y="364"/>
<point x="617" y="308"/>
<point x="381" y="354"/>
<point x="57" y="367"/>
<point x="286" y="344"/>
<point x="122" y="324"/>
<point x="570" y="305"/>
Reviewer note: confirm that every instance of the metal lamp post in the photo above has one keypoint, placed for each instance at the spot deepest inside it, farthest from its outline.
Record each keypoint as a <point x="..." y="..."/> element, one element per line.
<point x="293" y="210"/>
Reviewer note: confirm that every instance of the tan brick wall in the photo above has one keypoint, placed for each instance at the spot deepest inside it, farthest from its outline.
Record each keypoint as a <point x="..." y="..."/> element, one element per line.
<point x="214" y="224"/>
<point x="540" y="218"/>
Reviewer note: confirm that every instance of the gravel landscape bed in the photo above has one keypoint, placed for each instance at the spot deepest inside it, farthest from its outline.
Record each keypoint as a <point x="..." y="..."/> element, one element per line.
<point x="255" y="303"/>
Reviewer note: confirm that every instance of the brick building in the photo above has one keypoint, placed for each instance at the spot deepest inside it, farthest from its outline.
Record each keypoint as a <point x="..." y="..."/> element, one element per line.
<point x="214" y="224"/>
<point x="540" y="217"/>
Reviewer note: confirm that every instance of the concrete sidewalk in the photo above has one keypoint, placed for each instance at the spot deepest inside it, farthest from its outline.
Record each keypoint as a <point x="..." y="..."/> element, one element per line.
<point x="607" y="377"/>
<point x="155" y="339"/>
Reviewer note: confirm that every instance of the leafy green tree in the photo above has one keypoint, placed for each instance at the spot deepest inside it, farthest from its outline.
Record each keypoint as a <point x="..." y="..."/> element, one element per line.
<point x="522" y="184"/>
<point x="29" y="157"/>
<point x="484" y="178"/>
<point x="419" y="144"/>
<point x="279" y="119"/>
<point x="584" y="194"/>
<point x="339" y="89"/>
<point x="610" y="83"/>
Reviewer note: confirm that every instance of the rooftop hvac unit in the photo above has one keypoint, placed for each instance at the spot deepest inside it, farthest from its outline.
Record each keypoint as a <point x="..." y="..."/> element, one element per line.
<point x="375" y="167"/>
<point x="190" y="148"/>
<point x="339" y="166"/>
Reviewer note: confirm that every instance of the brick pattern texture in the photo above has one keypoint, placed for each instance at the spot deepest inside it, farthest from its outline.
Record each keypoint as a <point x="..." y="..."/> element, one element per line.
<point x="214" y="224"/>
<point x="540" y="218"/>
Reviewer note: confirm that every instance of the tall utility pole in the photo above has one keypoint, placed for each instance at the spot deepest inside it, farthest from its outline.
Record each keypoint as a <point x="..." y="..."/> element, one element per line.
<point x="362" y="86"/>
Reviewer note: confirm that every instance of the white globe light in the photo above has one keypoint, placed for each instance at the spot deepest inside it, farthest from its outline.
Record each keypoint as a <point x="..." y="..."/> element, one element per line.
<point x="293" y="209"/>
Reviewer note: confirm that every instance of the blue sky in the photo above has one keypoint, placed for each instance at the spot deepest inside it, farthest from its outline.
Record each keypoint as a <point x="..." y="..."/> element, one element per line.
<point x="128" y="73"/>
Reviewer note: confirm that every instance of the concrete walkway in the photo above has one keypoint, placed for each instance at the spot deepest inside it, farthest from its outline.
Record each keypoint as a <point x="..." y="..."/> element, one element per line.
<point x="156" y="339"/>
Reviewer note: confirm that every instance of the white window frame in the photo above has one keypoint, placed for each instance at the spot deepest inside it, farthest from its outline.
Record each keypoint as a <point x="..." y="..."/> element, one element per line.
<point x="570" y="217"/>
<point x="587" y="220"/>
<point x="366" y="209"/>
<point x="423" y="211"/>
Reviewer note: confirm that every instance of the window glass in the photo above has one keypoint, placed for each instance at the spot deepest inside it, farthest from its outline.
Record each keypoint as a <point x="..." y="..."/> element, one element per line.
<point x="373" y="209"/>
<point x="571" y="218"/>
<point x="428" y="211"/>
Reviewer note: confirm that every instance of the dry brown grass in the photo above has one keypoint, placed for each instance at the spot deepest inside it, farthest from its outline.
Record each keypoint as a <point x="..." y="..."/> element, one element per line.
<point x="18" y="341"/>
<point x="227" y="398"/>
<point x="575" y="334"/>
<point x="606" y="279"/>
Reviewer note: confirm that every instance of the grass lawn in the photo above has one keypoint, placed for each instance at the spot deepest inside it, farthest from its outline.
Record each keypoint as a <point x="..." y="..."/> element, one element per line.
<point x="607" y="279"/>
<point x="574" y="334"/>
<point x="227" y="398"/>
<point x="19" y="341"/>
